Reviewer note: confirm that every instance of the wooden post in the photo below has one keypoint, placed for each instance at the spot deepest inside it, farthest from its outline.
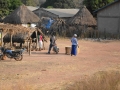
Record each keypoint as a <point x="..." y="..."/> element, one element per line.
<point x="11" y="34"/>
<point x="2" y="35"/>
<point x="11" y="40"/>
<point x="27" y="46"/>
<point x="1" y="38"/>
<point x="43" y="45"/>
<point x="104" y="33"/>
<point x="36" y="39"/>
<point x="30" y="47"/>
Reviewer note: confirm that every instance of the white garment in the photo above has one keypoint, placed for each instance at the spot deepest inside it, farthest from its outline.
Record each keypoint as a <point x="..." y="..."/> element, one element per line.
<point x="41" y="44"/>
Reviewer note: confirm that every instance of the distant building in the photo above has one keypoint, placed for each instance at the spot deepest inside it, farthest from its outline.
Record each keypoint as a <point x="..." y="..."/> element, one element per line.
<point x="40" y="12"/>
<point x="64" y="13"/>
<point x="56" y="13"/>
<point x="108" y="18"/>
<point x="31" y="8"/>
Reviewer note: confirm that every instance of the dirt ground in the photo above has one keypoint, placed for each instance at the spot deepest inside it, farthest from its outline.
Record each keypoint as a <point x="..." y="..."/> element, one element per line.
<point x="41" y="71"/>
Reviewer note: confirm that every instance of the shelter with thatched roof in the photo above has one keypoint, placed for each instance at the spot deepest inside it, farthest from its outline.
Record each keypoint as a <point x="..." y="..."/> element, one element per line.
<point x="16" y="33"/>
<point x="21" y="15"/>
<point x="83" y="17"/>
<point x="81" y="21"/>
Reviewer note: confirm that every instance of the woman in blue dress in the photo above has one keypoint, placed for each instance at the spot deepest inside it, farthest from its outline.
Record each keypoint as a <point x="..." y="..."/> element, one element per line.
<point x="74" y="42"/>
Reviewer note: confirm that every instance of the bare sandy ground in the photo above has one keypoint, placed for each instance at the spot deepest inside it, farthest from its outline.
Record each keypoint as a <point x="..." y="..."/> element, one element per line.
<point x="42" y="71"/>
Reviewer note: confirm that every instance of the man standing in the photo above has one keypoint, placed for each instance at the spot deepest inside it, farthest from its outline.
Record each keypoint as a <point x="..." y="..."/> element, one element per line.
<point x="52" y="43"/>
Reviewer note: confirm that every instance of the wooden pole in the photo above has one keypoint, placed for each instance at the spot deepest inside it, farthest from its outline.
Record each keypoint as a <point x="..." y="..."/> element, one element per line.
<point x="30" y="47"/>
<point x="10" y="40"/>
<point x="1" y="38"/>
<point x="2" y="35"/>
<point x="11" y="34"/>
<point x="43" y="45"/>
<point x="36" y="39"/>
<point x="27" y="46"/>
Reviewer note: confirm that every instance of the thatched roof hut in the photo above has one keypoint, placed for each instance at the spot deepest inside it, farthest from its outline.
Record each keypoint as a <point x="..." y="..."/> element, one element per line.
<point x="83" y="17"/>
<point x="21" y="15"/>
<point x="19" y="33"/>
<point x="58" y="23"/>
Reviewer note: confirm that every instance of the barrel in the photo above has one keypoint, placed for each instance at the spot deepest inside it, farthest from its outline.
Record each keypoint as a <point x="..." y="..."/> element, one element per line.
<point x="68" y="50"/>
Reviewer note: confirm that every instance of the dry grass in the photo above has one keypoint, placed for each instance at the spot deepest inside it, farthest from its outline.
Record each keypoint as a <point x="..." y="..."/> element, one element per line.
<point x="18" y="86"/>
<point x="102" y="80"/>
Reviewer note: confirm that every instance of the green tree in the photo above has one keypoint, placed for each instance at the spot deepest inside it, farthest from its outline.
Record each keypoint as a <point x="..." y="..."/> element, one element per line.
<point x="6" y="6"/>
<point x="59" y="4"/>
<point x="14" y="4"/>
<point x="32" y="2"/>
<point x="96" y="4"/>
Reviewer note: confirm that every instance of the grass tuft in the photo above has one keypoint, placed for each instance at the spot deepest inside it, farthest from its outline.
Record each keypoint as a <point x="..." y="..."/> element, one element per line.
<point x="102" y="80"/>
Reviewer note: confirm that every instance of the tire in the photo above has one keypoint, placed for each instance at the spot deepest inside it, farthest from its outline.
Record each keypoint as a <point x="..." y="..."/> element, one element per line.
<point x="18" y="57"/>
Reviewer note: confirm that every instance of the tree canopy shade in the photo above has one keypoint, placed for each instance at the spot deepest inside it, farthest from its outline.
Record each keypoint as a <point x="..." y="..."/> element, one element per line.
<point x="96" y="4"/>
<point x="33" y="2"/>
<point x="59" y="4"/>
<point x="6" y="6"/>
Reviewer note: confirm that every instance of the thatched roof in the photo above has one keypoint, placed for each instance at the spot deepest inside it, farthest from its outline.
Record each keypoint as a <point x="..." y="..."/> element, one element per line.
<point x="7" y="28"/>
<point x="21" y="15"/>
<point x="58" y="22"/>
<point x="83" y="17"/>
<point x="20" y="33"/>
<point x="33" y="35"/>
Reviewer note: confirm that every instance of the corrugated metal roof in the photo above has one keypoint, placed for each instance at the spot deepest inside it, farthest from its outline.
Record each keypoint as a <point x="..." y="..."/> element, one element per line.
<point x="63" y="12"/>
<point x="31" y="8"/>
<point x="106" y="6"/>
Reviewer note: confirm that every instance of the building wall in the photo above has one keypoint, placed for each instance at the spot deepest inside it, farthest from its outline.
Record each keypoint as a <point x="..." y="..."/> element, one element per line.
<point x="43" y="13"/>
<point x="109" y="19"/>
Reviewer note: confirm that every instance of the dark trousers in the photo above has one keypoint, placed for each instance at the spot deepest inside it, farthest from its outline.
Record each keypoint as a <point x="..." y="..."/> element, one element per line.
<point x="74" y="50"/>
<point x="50" y="47"/>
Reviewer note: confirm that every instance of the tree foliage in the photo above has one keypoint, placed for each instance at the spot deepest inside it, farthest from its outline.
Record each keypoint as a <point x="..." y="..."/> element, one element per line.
<point x="33" y="2"/>
<point x="6" y="6"/>
<point x="59" y="4"/>
<point x="96" y="4"/>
